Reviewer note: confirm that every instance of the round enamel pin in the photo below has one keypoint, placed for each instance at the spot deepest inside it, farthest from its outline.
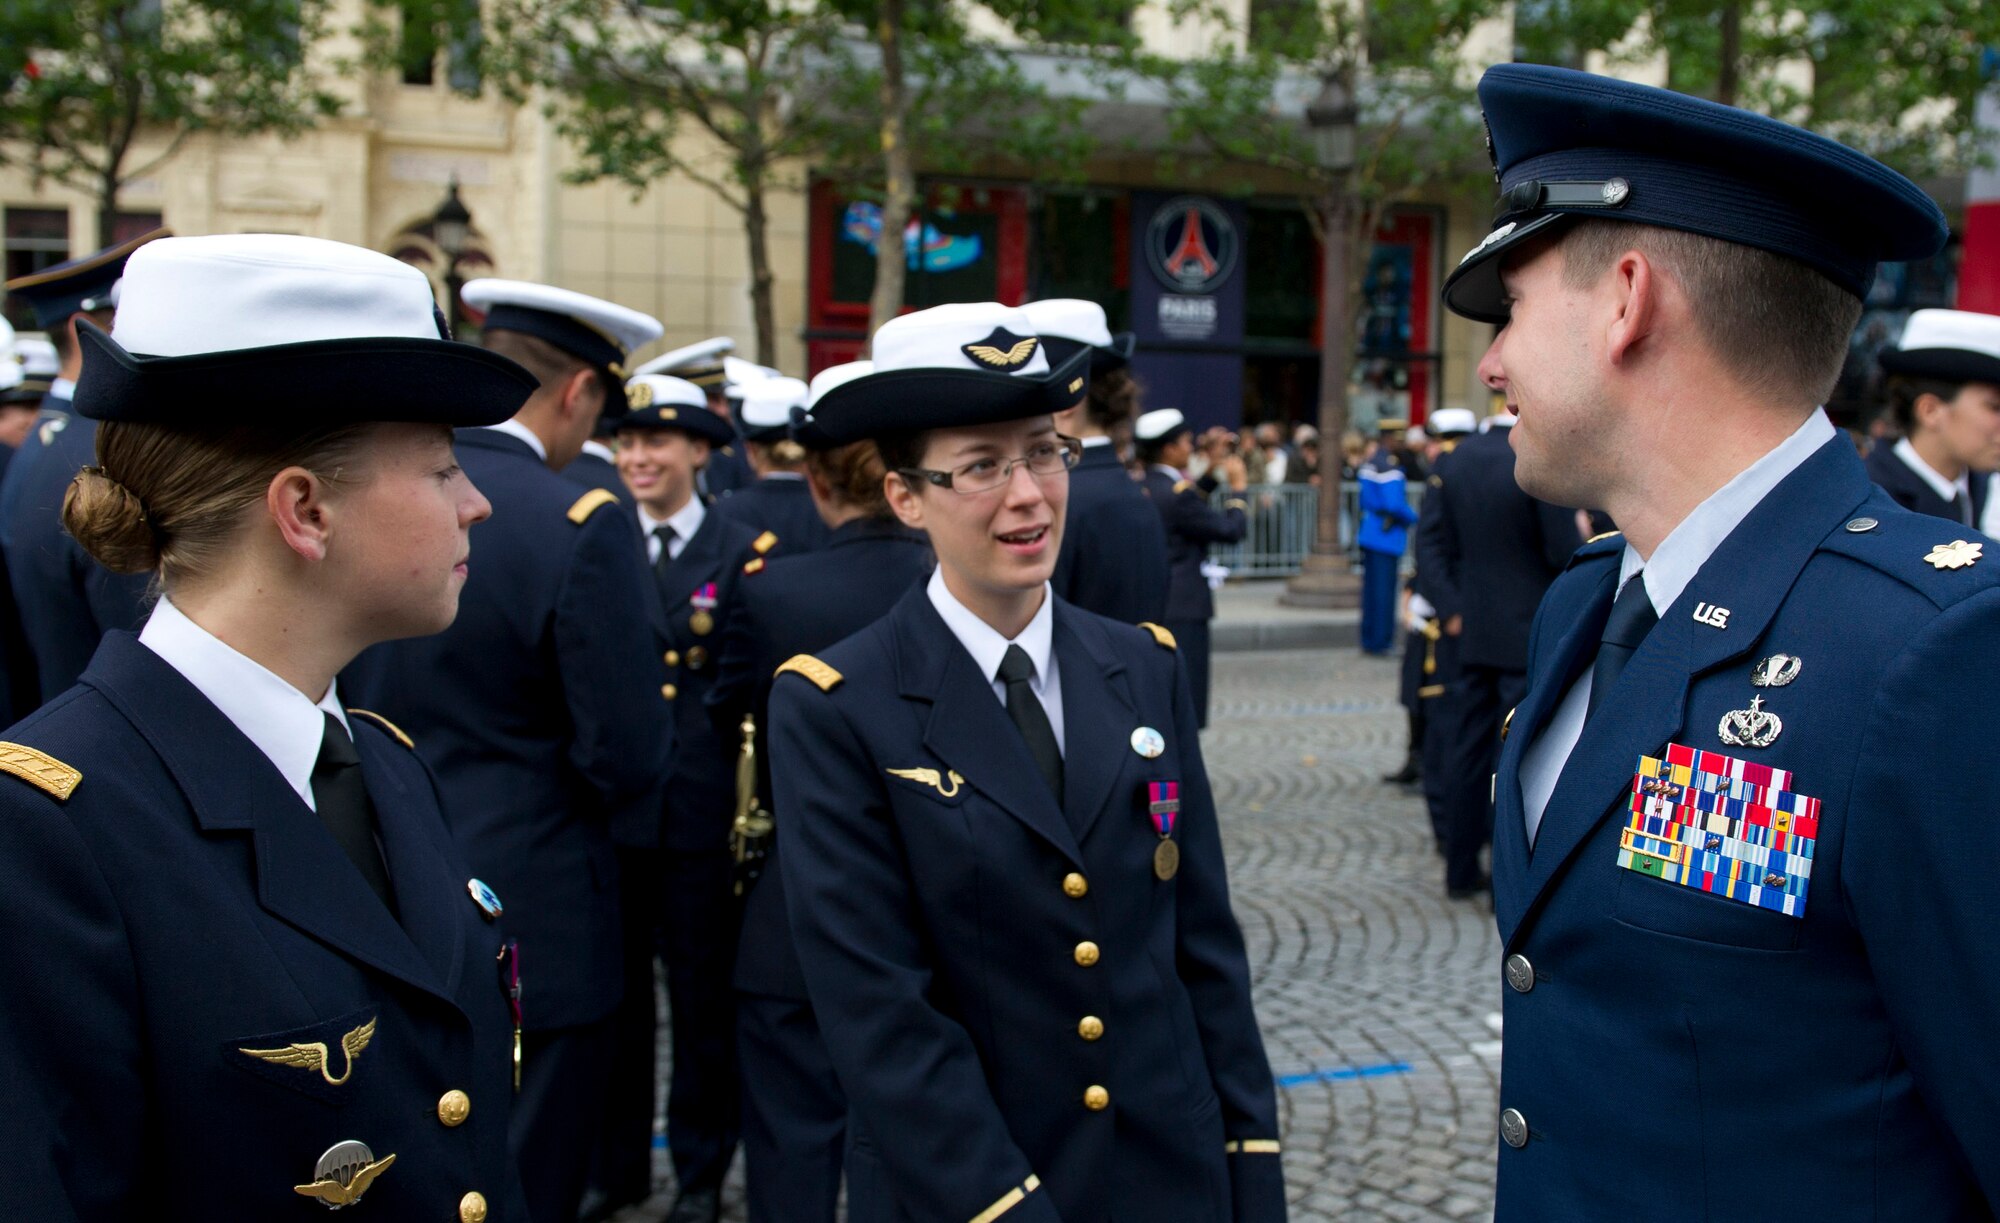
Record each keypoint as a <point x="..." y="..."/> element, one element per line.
<point x="485" y="897"/>
<point x="1148" y="742"/>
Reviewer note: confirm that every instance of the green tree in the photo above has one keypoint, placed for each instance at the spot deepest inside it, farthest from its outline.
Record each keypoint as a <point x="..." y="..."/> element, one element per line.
<point x="83" y="83"/>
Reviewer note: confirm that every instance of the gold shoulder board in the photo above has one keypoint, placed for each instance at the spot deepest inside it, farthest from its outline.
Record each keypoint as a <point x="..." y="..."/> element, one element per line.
<point x="395" y="731"/>
<point x="1437" y="481"/>
<point x="1593" y="539"/>
<point x="1160" y="635"/>
<point x="813" y="669"/>
<point x="39" y="769"/>
<point x="755" y="565"/>
<point x="1181" y="486"/>
<point x="589" y="504"/>
<point x="765" y="542"/>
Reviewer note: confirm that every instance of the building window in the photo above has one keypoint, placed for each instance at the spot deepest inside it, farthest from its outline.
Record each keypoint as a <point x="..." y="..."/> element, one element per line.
<point x="37" y="238"/>
<point x="440" y="36"/>
<point x="1080" y="249"/>
<point x="130" y="225"/>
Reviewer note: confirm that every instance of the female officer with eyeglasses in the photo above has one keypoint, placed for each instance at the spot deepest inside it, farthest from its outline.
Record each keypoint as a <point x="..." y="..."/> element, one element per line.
<point x="1001" y="855"/>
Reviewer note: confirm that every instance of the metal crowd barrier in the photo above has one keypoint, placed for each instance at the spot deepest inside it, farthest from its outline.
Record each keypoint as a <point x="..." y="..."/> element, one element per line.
<point x="1283" y="518"/>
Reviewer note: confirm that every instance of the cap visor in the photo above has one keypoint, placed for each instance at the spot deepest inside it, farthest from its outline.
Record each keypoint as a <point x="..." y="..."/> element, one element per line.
<point x="1943" y="364"/>
<point x="1473" y="289"/>
<point x="907" y="400"/>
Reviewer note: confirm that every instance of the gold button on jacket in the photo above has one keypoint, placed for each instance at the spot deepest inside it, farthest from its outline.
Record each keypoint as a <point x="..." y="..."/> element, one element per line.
<point x="1090" y="1027"/>
<point x="472" y="1208"/>
<point x="1086" y="953"/>
<point x="1096" y="1099"/>
<point x="454" y="1107"/>
<point x="672" y="658"/>
<point x="1075" y="885"/>
<point x="669" y="691"/>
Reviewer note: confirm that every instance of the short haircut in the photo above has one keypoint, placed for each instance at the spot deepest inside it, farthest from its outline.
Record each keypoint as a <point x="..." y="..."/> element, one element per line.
<point x="549" y="364"/>
<point x="1781" y="327"/>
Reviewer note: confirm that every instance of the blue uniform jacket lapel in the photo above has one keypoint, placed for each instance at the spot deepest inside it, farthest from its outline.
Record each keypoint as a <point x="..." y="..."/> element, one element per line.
<point x="302" y="876"/>
<point x="1097" y="714"/>
<point x="696" y="564"/>
<point x="428" y="892"/>
<point x="1750" y="574"/>
<point x="968" y="729"/>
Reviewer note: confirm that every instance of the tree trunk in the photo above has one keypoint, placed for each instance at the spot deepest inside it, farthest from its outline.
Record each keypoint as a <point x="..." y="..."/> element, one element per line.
<point x="899" y="186"/>
<point x="755" y="230"/>
<point x="1732" y="54"/>
<point x="108" y="188"/>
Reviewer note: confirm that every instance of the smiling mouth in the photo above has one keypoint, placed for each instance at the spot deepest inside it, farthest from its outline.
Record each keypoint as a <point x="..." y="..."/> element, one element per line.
<point x="1023" y="538"/>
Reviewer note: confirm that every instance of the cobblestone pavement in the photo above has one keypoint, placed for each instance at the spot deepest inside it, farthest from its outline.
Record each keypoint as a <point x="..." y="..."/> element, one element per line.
<point x="1376" y="994"/>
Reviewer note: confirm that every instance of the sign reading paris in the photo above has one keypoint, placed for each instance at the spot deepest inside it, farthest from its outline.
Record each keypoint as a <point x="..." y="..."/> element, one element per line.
<point x="1191" y="244"/>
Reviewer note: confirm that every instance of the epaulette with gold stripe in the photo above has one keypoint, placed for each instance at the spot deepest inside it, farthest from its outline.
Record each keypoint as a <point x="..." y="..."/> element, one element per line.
<point x="395" y="731"/>
<point x="813" y="669"/>
<point x="1160" y="634"/>
<point x="753" y="565"/>
<point x="39" y="769"/>
<point x="764" y="543"/>
<point x="588" y="504"/>
<point x="1250" y="1146"/>
<point x="1181" y="486"/>
<point x="1595" y="538"/>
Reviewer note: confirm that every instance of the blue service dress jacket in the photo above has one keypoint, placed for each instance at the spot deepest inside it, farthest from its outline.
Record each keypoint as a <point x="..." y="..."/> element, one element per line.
<point x="595" y="471"/>
<point x="1385" y="510"/>
<point x="168" y="905"/>
<point x="782" y="504"/>
<point x="798" y="605"/>
<point x="1781" y="1003"/>
<point x="1028" y="1023"/>
<point x="66" y="599"/>
<point x="539" y="710"/>
<point x="1911" y="491"/>
<point x="1114" y="546"/>
<point x="1192" y="524"/>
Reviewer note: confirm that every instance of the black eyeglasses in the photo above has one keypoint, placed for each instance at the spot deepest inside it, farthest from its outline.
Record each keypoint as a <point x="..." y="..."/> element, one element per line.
<point x="984" y="475"/>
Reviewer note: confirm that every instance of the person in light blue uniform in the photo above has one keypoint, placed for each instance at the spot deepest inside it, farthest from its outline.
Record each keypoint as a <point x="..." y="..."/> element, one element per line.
<point x="779" y="500"/>
<point x="1164" y="440"/>
<point x="794" y="1112"/>
<point x="1744" y="814"/>
<point x="1386" y="518"/>
<point x="540" y="711"/>
<point x="250" y="972"/>
<point x="1001" y="856"/>
<point x="67" y="601"/>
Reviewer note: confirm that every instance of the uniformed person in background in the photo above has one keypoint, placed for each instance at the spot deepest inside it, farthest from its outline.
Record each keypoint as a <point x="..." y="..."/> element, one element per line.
<point x="794" y="1113"/>
<point x="248" y="967"/>
<point x="779" y="501"/>
<point x="1114" y="553"/>
<point x="695" y="556"/>
<point x="1944" y="396"/>
<point x="540" y="708"/>
<point x="707" y="365"/>
<point x="597" y="465"/>
<point x="1001" y="856"/>
<point x="1486" y="554"/>
<point x="1386" y="517"/>
<point x="27" y="368"/>
<point x="1424" y="671"/>
<point x="21" y="391"/>
<point x="67" y="600"/>
<point x="1165" y="441"/>
<point x="1745" y="834"/>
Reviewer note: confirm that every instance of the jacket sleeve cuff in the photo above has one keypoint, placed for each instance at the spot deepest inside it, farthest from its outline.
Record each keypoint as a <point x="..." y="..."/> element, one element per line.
<point x="1256" y="1181"/>
<point x="1021" y="1204"/>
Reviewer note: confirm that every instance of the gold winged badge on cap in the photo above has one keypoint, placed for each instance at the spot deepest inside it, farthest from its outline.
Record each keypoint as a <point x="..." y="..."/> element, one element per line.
<point x="930" y="777"/>
<point x="313" y="1055"/>
<point x="1002" y="350"/>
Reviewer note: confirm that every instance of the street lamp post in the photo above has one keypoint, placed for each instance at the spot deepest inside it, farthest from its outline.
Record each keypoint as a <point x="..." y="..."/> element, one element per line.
<point x="1324" y="579"/>
<point x="451" y="226"/>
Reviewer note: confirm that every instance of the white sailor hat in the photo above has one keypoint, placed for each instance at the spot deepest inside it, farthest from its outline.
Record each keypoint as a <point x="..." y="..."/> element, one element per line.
<point x="1070" y="324"/>
<point x="659" y="401"/>
<point x="1948" y="345"/>
<point x="588" y="328"/>
<point x="967" y="364"/>
<point x="805" y="430"/>
<point x="1160" y="426"/>
<point x="699" y="363"/>
<point x="770" y="405"/>
<point x="12" y="372"/>
<point x="739" y="375"/>
<point x="212" y="331"/>
<point x="1448" y="422"/>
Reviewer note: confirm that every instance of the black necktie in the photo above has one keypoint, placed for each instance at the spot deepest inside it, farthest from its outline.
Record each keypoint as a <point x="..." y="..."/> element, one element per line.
<point x="342" y="799"/>
<point x="1026" y="710"/>
<point x="666" y="535"/>
<point x="1632" y="617"/>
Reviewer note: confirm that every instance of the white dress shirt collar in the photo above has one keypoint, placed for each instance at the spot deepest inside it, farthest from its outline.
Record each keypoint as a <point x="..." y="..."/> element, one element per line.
<point x="1688" y="546"/>
<point x="1099" y="440"/>
<point x="62" y="388"/>
<point x="685" y="521"/>
<point x="277" y="718"/>
<point x="1947" y="489"/>
<point x="515" y="429"/>
<point x="602" y="451"/>
<point x="988" y="647"/>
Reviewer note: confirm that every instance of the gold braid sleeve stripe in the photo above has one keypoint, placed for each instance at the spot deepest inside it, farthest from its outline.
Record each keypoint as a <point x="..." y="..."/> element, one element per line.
<point x="1251" y="1146"/>
<point x="1008" y="1201"/>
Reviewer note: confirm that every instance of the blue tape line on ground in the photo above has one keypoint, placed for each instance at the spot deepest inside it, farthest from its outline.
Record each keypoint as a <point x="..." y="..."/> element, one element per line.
<point x="1344" y="1072"/>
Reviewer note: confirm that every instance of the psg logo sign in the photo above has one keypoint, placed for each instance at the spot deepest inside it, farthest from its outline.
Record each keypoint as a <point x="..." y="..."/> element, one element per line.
<point x="1192" y="244"/>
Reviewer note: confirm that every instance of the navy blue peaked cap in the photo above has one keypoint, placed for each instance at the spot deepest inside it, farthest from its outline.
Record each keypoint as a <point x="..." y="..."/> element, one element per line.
<point x="56" y="293"/>
<point x="1567" y="144"/>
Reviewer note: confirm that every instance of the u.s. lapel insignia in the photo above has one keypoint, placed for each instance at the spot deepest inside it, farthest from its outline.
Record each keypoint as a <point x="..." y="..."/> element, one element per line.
<point x="485" y="897"/>
<point x="1752" y="727"/>
<point x="313" y="1055"/>
<point x="1003" y="350"/>
<point x="1711" y="615"/>
<point x="1775" y="671"/>
<point x="344" y="1174"/>
<point x="1957" y="554"/>
<point x="931" y="778"/>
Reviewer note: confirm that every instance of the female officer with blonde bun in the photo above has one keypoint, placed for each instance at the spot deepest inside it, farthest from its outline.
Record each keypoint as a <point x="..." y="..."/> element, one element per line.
<point x="246" y="968"/>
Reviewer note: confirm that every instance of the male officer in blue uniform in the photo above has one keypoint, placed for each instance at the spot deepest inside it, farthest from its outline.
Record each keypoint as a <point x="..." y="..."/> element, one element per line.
<point x="778" y="501"/>
<point x="1114" y="550"/>
<point x="539" y="709"/>
<point x="67" y="601"/>
<point x="1424" y="663"/>
<point x="1486" y="554"/>
<point x="597" y="465"/>
<point x="1386" y="517"/>
<point x="695" y="555"/>
<point x="1165" y="443"/>
<point x="1744" y="825"/>
<point x="1944" y="394"/>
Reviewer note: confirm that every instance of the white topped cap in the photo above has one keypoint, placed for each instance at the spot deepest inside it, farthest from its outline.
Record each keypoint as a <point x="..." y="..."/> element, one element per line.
<point x="12" y="371"/>
<point x="37" y="356"/>
<point x="1960" y="329"/>
<point x="700" y="354"/>
<point x="627" y="328"/>
<point x="1072" y="318"/>
<point x="653" y="390"/>
<point x="228" y="292"/>
<point x="738" y="374"/>
<point x="985" y="336"/>
<point x="768" y="403"/>
<point x="836" y="375"/>
<point x="1159" y="423"/>
<point x="1452" y="420"/>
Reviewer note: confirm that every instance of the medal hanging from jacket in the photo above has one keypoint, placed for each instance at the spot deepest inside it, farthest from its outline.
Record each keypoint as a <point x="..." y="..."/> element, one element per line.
<point x="1163" y="803"/>
<point x="750" y="833"/>
<point x="510" y="985"/>
<point x="703" y="600"/>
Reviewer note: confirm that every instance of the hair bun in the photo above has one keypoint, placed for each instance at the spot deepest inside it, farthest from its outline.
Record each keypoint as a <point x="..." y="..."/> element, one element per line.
<point x="109" y="520"/>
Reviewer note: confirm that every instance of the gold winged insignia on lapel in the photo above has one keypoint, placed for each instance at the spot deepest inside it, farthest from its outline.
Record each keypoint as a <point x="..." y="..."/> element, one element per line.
<point x="330" y="1192"/>
<point x="930" y="777"/>
<point x="313" y="1055"/>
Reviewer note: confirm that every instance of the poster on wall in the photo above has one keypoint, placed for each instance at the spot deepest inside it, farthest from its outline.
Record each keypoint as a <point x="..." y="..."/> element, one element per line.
<point x="1188" y="303"/>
